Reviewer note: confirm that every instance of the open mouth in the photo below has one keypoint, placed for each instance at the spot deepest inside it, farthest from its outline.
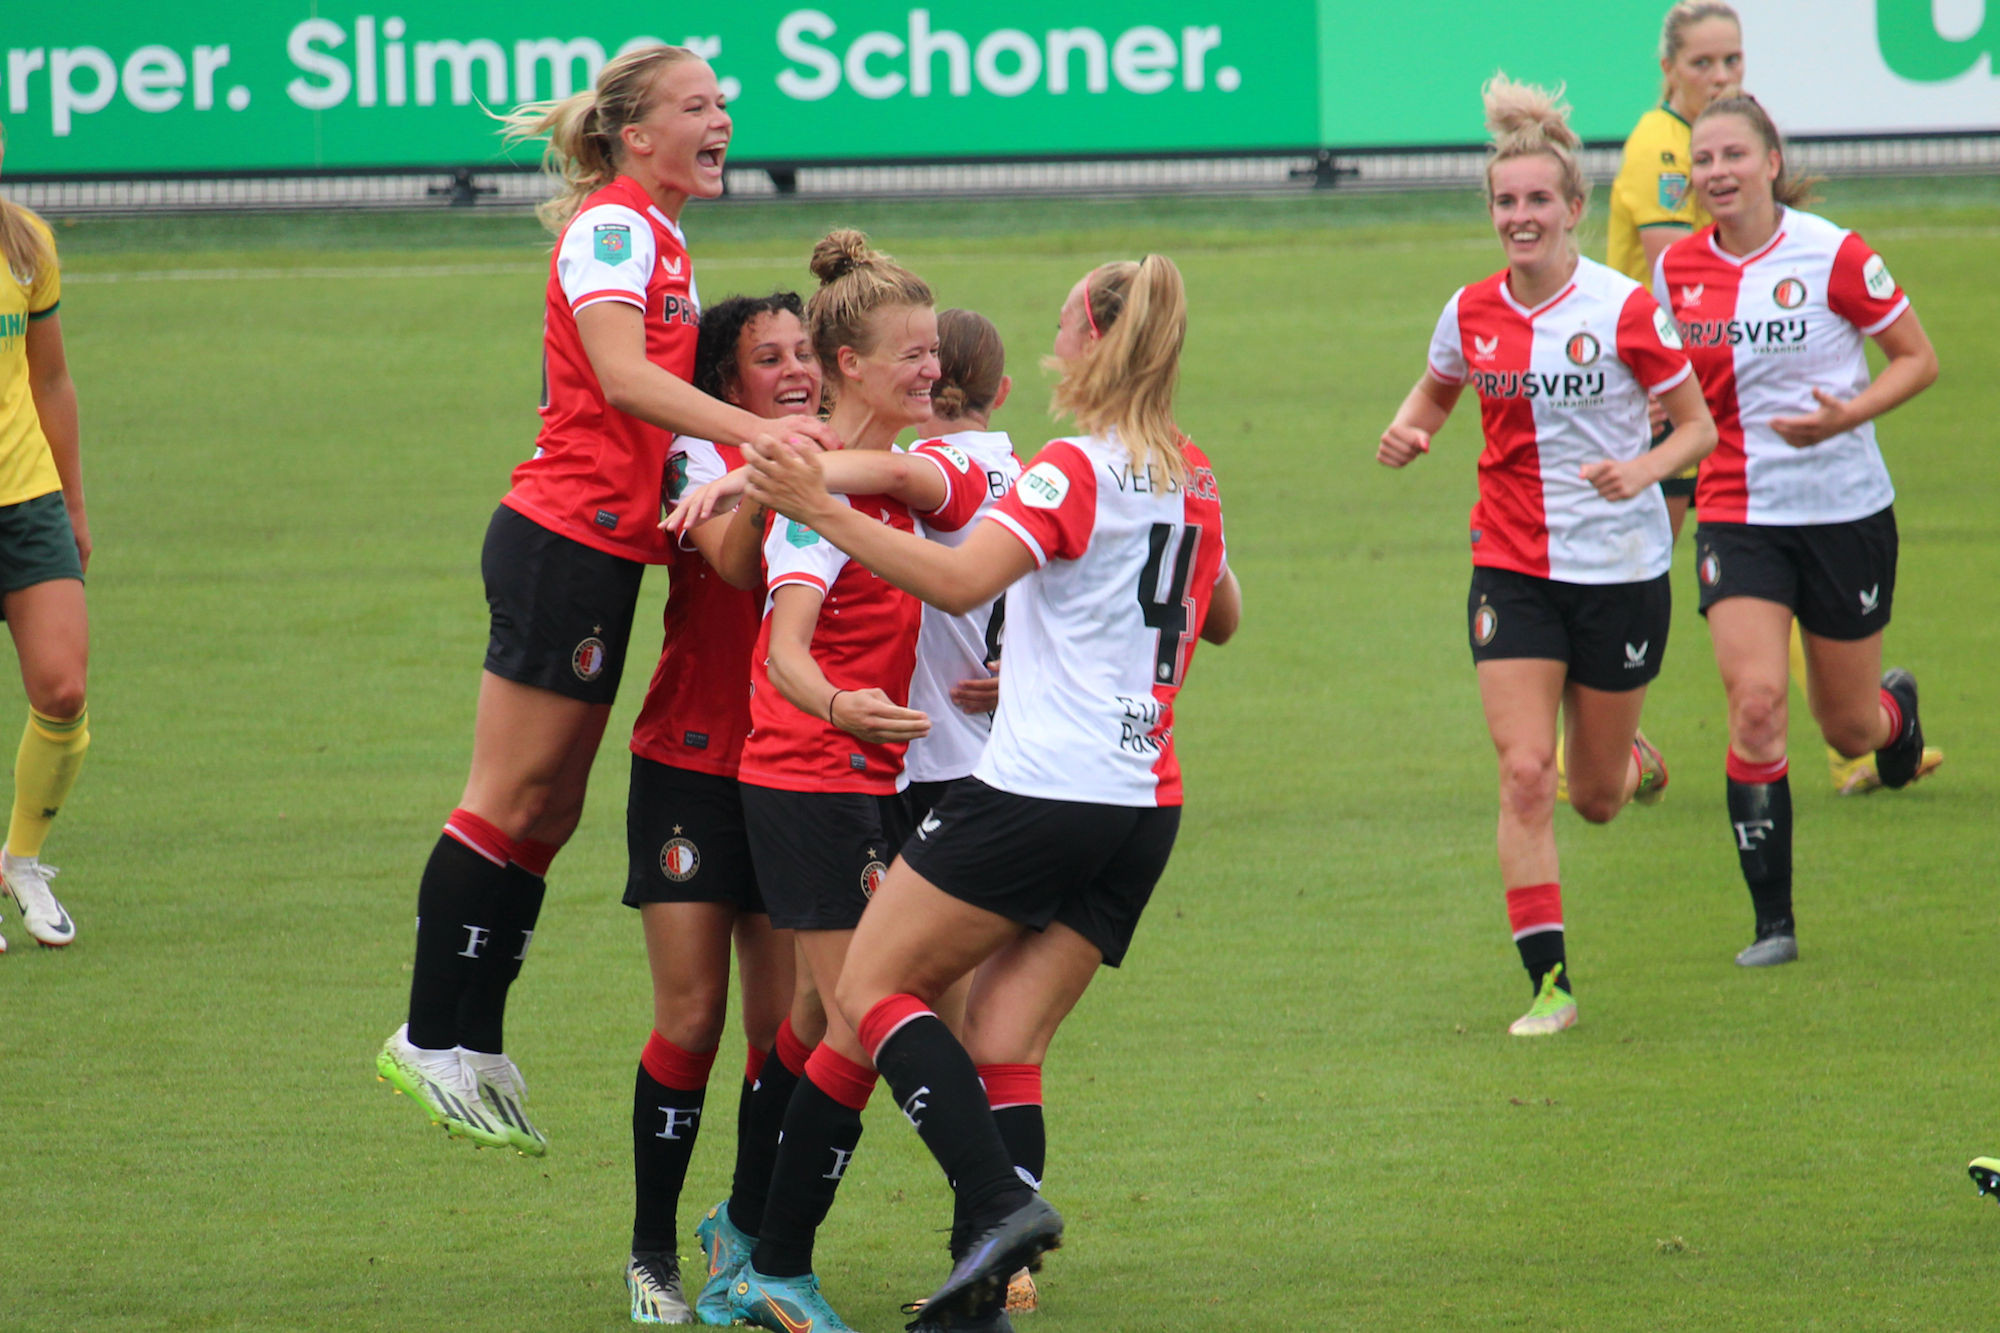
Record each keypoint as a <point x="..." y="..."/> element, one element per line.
<point x="711" y="156"/>
<point x="796" y="400"/>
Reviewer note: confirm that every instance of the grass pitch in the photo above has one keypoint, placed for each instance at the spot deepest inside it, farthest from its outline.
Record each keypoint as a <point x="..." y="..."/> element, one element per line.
<point x="1295" y="1108"/>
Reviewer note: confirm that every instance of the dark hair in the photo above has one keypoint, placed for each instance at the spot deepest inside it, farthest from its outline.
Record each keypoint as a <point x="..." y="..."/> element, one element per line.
<point x="1789" y="190"/>
<point x="722" y="326"/>
<point x="971" y="363"/>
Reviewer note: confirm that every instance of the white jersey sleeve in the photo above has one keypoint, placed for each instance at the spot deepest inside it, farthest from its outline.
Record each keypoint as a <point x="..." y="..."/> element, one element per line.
<point x="606" y="254"/>
<point x="1447" y="354"/>
<point x="794" y="553"/>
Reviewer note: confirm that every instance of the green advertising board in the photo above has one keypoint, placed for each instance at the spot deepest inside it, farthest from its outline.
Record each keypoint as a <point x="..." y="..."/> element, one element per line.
<point x="208" y="85"/>
<point x="205" y="85"/>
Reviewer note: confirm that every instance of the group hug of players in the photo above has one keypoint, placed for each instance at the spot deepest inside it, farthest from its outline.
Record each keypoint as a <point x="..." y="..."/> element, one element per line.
<point x="1733" y="324"/>
<point x="920" y="864"/>
<point x="919" y="861"/>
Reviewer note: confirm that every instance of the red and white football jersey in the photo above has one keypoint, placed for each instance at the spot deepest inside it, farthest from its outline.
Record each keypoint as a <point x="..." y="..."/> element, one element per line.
<point x="697" y="707"/>
<point x="866" y="637"/>
<point x="954" y="648"/>
<point x="1100" y="634"/>
<point x="1765" y="330"/>
<point x="1559" y="386"/>
<point x="597" y="474"/>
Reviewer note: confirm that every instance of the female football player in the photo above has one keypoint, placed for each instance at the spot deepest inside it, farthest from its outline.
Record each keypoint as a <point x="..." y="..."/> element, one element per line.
<point x="44" y="551"/>
<point x="689" y="862"/>
<point x="564" y="555"/>
<point x="1039" y="864"/>
<point x="1570" y="605"/>
<point x="1797" y="518"/>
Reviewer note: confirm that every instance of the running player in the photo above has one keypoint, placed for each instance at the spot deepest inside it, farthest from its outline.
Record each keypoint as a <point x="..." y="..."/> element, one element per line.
<point x="1796" y="510"/>
<point x="830" y="719"/>
<point x="1039" y="865"/>
<point x="44" y="551"/>
<point x="563" y="558"/>
<point x="1570" y="603"/>
<point x="689" y="863"/>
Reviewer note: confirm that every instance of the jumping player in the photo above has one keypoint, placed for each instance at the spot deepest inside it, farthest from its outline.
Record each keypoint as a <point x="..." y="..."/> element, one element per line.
<point x="1570" y="603"/>
<point x="563" y="558"/>
<point x="44" y="551"/>
<point x="690" y="872"/>
<point x="1039" y="865"/>
<point x="1796" y="510"/>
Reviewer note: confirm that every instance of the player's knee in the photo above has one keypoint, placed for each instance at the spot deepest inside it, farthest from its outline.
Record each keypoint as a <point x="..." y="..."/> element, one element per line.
<point x="59" y="700"/>
<point x="692" y="1019"/>
<point x="1852" y="737"/>
<point x="1757" y="716"/>
<point x="1528" y="780"/>
<point x="1596" y="806"/>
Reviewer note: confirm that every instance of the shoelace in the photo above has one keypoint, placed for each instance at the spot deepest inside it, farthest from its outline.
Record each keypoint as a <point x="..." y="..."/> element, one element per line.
<point x="32" y="883"/>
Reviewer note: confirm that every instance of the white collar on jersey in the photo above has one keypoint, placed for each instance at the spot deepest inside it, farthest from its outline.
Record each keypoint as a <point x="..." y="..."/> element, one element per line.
<point x="1745" y="261"/>
<point x="1507" y="295"/>
<point x="668" y="223"/>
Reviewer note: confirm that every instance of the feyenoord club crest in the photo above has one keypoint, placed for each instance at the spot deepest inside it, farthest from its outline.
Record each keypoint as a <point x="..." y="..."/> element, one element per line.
<point x="679" y="860"/>
<point x="1485" y="624"/>
<point x="588" y="659"/>
<point x="1581" y="348"/>
<point x="871" y="877"/>
<point x="1710" y="568"/>
<point x="1790" y="293"/>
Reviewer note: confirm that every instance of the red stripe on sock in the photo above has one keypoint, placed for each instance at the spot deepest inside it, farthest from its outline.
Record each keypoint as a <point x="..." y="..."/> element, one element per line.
<point x="534" y="856"/>
<point x="1742" y="770"/>
<point x="470" y="830"/>
<point x="672" y="1067"/>
<point x="886" y="1017"/>
<point x="754" y="1066"/>
<point x="1534" y="907"/>
<point x="791" y="1052"/>
<point x="1012" y="1085"/>
<point x="1895" y="712"/>
<point x="839" y="1077"/>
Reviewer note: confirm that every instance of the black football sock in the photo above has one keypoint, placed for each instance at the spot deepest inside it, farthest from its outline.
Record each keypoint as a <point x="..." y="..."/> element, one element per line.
<point x="1760" y="819"/>
<point x="939" y="1091"/>
<point x="758" y="1126"/>
<point x="822" y="1128"/>
<point x="667" y="1099"/>
<point x="1535" y="912"/>
<point x="482" y="1007"/>
<point x="458" y="903"/>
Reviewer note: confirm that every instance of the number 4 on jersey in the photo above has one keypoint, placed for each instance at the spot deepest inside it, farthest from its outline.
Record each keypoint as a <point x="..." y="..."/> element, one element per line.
<point x="1164" y="601"/>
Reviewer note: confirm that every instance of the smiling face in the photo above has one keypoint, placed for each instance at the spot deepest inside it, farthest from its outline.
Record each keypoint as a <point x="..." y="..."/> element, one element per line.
<point x="777" y="372"/>
<point x="893" y="378"/>
<point x="1733" y="169"/>
<point x="1530" y="214"/>
<point x="1707" y="67"/>
<point x="679" y="144"/>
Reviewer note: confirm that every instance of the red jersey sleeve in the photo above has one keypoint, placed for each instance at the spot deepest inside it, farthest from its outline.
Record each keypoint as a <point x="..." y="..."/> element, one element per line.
<point x="1053" y="507"/>
<point x="1649" y="345"/>
<point x="965" y="486"/>
<point x="794" y="553"/>
<point x="605" y="254"/>
<point x="1860" y="289"/>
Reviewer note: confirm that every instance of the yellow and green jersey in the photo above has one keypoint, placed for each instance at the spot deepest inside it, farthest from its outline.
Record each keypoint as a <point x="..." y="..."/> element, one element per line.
<point x="1654" y="189"/>
<point x="27" y="469"/>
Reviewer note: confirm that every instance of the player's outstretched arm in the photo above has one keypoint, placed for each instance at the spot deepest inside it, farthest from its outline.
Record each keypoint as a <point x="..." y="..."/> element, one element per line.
<point x="954" y="579"/>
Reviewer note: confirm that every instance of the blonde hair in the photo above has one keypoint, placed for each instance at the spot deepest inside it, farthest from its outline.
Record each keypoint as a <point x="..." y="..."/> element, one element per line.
<point x="25" y="247"/>
<point x="1789" y="190"/>
<point x="1124" y="379"/>
<point x="585" y="148"/>
<point x="971" y="363"/>
<point x="855" y="282"/>
<point x="1673" y="33"/>
<point x="1526" y="120"/>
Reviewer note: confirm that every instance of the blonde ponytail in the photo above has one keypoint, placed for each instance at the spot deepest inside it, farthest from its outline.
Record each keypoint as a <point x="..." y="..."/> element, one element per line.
<point x="24" y="243"/>
<point x="1125" y="377"/>
<point x="584" y="130"/>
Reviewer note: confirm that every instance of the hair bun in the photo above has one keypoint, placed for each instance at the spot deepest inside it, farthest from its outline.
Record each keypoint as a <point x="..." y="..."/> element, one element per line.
<point x="839" y="254"/>
<point x="1519" y="115"/>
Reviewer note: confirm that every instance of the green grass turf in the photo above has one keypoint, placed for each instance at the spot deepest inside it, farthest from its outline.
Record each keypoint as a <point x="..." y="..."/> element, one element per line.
<point x="1297" y="1106"/>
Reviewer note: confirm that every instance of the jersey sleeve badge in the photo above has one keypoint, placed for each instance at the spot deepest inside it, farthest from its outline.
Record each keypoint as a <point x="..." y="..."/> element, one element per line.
<point x="611" y="242"/>
<point x="1043" y="486"/>
<point x="956" y="457"/>
<point x="799" y="535"/>
<point x="1673" y="190"/>
<point x="1875" y="275"/>
<point x="1662" y="325"/>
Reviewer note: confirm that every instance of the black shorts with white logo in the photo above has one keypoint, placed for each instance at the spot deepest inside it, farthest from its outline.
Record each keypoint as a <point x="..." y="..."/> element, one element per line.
<point x="820" y="856"/>
<point x="1090" y="867"/>
<point x="1839" y="579"/>
<point x="685" y="839"/>
<point x="920" y="798"/>
<point x="561" y="611"/>
<point x="1612" y="635"/>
